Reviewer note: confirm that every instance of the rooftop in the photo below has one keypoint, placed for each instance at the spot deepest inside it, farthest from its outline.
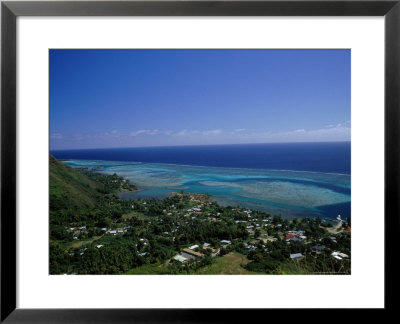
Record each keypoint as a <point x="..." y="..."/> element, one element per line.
<point x="296" y="255"/>
<point x="190" y="251"/>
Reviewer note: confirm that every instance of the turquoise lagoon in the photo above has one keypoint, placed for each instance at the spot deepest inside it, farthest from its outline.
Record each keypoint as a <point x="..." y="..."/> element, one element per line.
<point x="279" y="192"/>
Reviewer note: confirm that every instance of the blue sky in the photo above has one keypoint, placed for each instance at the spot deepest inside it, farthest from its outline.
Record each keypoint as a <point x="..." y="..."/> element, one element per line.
<point x="132" y="98"/>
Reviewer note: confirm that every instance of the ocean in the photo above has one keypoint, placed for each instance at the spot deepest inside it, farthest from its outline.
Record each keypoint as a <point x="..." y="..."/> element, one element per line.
<point x="287" y="179"/>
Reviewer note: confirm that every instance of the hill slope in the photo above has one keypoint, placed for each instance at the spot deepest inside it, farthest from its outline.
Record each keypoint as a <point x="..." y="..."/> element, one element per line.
<point x="70" y="189"/>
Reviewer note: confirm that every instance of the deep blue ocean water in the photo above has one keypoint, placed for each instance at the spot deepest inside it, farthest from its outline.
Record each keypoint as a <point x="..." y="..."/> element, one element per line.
<point x="317" y="157"/>
<point x="293" y="180"/>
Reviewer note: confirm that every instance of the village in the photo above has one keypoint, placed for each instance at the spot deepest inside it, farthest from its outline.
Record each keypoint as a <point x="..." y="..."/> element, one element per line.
<point x="188" y="231"/>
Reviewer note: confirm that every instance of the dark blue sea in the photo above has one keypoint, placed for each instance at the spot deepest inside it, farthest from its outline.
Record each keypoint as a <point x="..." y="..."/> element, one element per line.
<point x="317" y="157"/>
<point x="291" y="179"/>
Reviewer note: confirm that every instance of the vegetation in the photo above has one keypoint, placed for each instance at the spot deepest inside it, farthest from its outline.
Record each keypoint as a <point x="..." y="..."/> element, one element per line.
<point x="231" y="263"/>
<point x="94" y="231"/>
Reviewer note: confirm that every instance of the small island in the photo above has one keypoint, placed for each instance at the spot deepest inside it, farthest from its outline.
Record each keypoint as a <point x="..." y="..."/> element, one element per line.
<point x="94" y="231"/>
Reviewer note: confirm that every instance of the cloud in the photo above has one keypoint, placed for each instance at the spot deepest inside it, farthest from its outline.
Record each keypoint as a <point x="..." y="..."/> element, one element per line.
<point x="337" y="132"/>
<point x="113" y="133"/>
<point x="56" y="136"/>
<point x="145" y="132"/>
<point x="156" y="137"/>
<point x="183" y="132"/>
<point x="211" y="132"/>
<point x="344" y="124"/>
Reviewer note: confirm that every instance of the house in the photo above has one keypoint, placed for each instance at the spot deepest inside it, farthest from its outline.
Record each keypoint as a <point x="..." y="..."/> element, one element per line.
<point x="249" y="246"/>
<point x="193" y="247"/>
<point x="113" y="232"/>
<point x="143" y="254"/>
<point x="339" y="255"/>
<point x="318" y="247"/>
<point x="191" y="252"/>
<point x="120" y="231"/>
<point x="336" y="255"/>
<point x="290" y="235"/>
<point x="104" y="229"/>
<point x="180" y="258"/>
<point x="208" y="246"/>
<point x="296" y="256"/>
<point x="294" y="239"/>
<point x="82" y="227"/>
<point x="99" y="246"/>
<point x="225" y="242"/>
<point x="187" y="255"/>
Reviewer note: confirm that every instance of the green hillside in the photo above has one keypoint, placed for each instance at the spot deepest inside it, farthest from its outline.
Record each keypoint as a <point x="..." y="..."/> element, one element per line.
<point x="70" y="189"/>
<point x="81" y="197"/>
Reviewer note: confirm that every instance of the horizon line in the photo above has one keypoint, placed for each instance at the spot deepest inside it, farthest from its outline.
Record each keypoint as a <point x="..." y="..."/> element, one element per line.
<point x="190" y="145"/>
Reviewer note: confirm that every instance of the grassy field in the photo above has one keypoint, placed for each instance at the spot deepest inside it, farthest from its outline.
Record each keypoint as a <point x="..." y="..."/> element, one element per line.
<point x="78" y="243"/>
<point x="135" y="214"/>
<point x="231" y="263"/>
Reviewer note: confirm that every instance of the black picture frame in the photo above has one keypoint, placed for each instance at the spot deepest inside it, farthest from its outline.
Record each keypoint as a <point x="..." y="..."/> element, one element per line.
<point x="10" y="10"/>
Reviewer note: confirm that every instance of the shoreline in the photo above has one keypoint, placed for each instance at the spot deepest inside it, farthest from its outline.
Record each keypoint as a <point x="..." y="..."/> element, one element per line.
<point x="223" y="193"/>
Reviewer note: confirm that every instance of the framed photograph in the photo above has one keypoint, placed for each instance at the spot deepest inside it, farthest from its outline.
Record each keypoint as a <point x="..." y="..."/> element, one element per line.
<point x="160" y="158"/>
